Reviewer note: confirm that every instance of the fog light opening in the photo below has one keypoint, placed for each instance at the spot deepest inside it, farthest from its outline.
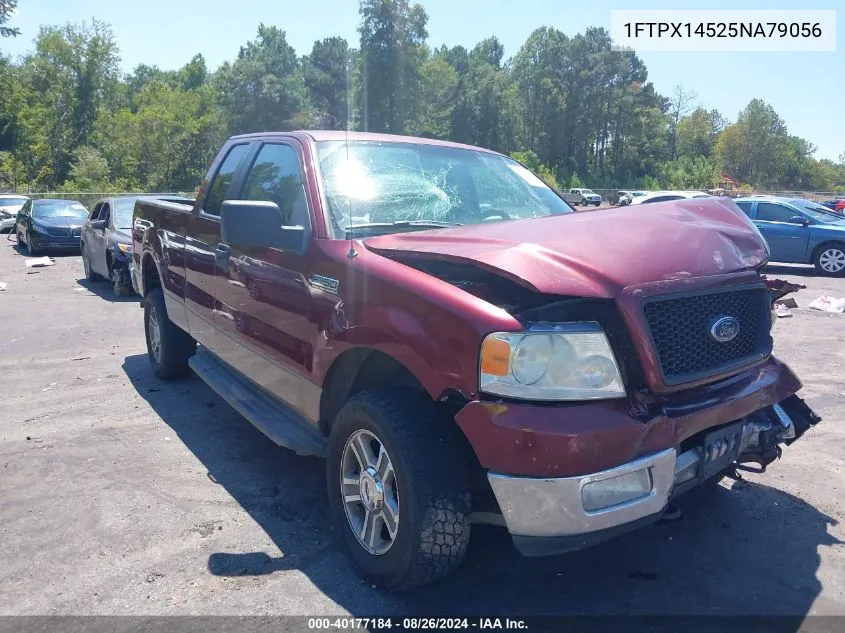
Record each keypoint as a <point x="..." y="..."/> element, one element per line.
<point x="607" y="493"/>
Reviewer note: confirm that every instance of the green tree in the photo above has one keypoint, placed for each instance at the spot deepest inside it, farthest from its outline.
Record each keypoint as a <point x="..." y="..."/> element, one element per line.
<point x="439" y="82"/>
<point x="7" y="10"/>
<point x="263" y="88"/>
<point x="393" y="34"/>
<point x="89" y="171"/>
<point x="327" y="74"/>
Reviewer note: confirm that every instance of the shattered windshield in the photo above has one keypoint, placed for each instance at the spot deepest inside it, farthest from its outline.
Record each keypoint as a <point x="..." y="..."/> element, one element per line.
<point x="390" y="187"/>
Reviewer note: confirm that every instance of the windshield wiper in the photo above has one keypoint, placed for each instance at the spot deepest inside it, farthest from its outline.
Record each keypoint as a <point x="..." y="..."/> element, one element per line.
<point x="399" y="224"/>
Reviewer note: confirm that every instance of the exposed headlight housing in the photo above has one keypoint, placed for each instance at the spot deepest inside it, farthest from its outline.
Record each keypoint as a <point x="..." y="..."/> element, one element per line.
<point x="124" y="248"/>
<point x="567" y="361"/>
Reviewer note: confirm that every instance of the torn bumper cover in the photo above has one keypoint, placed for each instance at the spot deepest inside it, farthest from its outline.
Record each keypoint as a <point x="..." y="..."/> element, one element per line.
<point x="551" y="515"/>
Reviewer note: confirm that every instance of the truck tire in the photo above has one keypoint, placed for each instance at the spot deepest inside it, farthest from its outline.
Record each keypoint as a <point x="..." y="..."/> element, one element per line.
<point x="415" y="470"/>
<point x="829" y="259"/>
<point x="168" y="347"/>
<point x="90" y="275"/>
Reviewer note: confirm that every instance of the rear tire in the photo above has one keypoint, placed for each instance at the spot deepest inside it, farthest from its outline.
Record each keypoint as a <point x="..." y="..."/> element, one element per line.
<point x="425" y="482"/>
<point x="168" y="346"/>
<point x="829" y="259"/>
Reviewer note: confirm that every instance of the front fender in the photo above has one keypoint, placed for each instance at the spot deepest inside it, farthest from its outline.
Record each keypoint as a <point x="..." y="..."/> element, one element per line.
<point x="438" y="360"/>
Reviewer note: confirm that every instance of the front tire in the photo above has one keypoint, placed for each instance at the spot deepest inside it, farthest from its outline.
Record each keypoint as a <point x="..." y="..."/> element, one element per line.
<point x="830" y="259"/>
<point x="168" y="347"/>
<point x="90" y="275"/>
<point x="30" y="249"/>
<point x="392" y="455"/>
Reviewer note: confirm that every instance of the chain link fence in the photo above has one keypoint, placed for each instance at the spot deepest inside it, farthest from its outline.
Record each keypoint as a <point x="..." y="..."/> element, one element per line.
<point x="89" y="199"/>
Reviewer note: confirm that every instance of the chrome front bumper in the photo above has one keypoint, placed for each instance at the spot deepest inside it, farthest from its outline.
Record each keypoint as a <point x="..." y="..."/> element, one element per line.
<point x="554" y="508"/>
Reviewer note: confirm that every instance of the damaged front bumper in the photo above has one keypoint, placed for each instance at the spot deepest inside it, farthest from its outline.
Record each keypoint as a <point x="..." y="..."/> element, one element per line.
<point x="560" y="514"/>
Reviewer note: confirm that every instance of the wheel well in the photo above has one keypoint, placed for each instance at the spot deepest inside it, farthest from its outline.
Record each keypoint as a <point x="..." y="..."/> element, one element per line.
<point x="357" y="370"/>
<point x="150" y="275"/>
<point x="363" y="368"/>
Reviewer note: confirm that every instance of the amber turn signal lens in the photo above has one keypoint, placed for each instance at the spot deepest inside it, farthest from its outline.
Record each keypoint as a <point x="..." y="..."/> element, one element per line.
<point x="495" y="357"/>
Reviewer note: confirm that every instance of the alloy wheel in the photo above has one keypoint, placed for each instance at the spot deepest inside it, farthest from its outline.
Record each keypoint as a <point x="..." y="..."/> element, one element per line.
<point x="154" y="333"/>
<point x="832" y="260"/>
<point x="370" y="492"/>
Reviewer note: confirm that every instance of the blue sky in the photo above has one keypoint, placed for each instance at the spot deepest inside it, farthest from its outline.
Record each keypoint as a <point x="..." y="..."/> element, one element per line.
<point x="806" y="89"/>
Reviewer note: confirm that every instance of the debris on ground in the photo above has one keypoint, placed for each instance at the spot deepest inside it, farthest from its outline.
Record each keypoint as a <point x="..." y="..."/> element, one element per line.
<point x="789" y="303"/>
<point x="782" y="311"/>
<point x="779" y="288"/>
<point x="37" y="262"/>
<point x="3" y="285"/>
<point x="826" y="303"/>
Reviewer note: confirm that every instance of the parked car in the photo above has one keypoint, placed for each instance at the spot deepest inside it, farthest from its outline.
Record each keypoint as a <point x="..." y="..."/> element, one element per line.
<point x="107" y="244"/>
<point x="10" y="204"/>
<point x="832" y="204"/>
<point x="799" y="231"/>
<point x="583" y="197"/>
<point x="840" y="207"/>
<point x="48" y="224"/>
<point x="621" y="198"/>
<point x="666" y="196"/>
<point x="458" y="361"/>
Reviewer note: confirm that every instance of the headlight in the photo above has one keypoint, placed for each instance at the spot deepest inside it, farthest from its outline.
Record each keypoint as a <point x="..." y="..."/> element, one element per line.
<point x="569" y="361"/>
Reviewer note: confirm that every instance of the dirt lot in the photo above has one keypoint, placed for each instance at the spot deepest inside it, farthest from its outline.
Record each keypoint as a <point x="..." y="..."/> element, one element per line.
<point x="120" y="494"/>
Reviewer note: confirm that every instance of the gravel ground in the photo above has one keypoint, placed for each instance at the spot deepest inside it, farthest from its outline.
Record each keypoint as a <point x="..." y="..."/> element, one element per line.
<point x="120" y="494"/>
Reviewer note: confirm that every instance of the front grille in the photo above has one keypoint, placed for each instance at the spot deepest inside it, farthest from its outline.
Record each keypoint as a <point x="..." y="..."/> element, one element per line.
<point x="680" y="329"/>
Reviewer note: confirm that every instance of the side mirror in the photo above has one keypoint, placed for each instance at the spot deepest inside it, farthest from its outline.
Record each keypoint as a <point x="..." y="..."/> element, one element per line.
<point x="799" y="219"/>
<point x="258" y="223"/>
<point x="98" y="225"/>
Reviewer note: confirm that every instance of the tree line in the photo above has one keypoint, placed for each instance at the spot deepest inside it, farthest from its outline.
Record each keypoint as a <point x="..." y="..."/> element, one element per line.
<point x="575" y="111"/>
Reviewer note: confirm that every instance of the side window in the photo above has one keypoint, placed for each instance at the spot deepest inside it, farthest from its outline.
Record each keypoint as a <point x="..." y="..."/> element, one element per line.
<point x="95" y="212"/>
<point x="219" y="186"/>
<point x="105" y="212"/>
<point x="275" y="175"/>
<point x="745" y="206"/>
<point x="771" y="212"/>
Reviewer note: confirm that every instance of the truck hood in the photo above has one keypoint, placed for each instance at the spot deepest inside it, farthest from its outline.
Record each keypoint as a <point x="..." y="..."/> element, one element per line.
<point x="597" y="254"/>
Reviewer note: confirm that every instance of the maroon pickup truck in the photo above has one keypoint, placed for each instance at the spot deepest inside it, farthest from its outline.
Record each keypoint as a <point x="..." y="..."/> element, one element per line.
<point x="461" y="346"/>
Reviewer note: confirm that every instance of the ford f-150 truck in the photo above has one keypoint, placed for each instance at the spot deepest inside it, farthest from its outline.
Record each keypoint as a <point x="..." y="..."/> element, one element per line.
<point x="461" y="346"/>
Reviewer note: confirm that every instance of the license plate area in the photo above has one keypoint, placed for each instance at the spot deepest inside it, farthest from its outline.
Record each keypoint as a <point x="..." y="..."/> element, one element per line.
<point x="721" y="448"/>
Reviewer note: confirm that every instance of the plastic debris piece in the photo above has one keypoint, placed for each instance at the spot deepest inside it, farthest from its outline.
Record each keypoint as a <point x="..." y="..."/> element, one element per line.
<point x="3" y="285"/>
<point x="827" y="303"/>
<point x="37" y="262"/>
<point x="782" y="311"/>
<point x="789" y="303"/>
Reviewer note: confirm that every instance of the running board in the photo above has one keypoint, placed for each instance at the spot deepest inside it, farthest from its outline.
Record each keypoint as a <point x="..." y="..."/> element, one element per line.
<point x="280" y="423"/>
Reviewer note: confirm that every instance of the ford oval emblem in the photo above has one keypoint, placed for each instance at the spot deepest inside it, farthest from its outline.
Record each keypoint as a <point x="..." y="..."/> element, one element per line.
<point x="724" y="329"/>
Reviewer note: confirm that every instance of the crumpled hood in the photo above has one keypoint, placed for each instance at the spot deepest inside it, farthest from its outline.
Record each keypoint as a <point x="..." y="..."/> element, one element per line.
<point x="597" y="254"/>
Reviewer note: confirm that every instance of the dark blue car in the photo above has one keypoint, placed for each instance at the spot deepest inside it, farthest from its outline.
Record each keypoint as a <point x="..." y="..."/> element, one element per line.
<point x="48" y="224"/>
<point x="799" y="231"/>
